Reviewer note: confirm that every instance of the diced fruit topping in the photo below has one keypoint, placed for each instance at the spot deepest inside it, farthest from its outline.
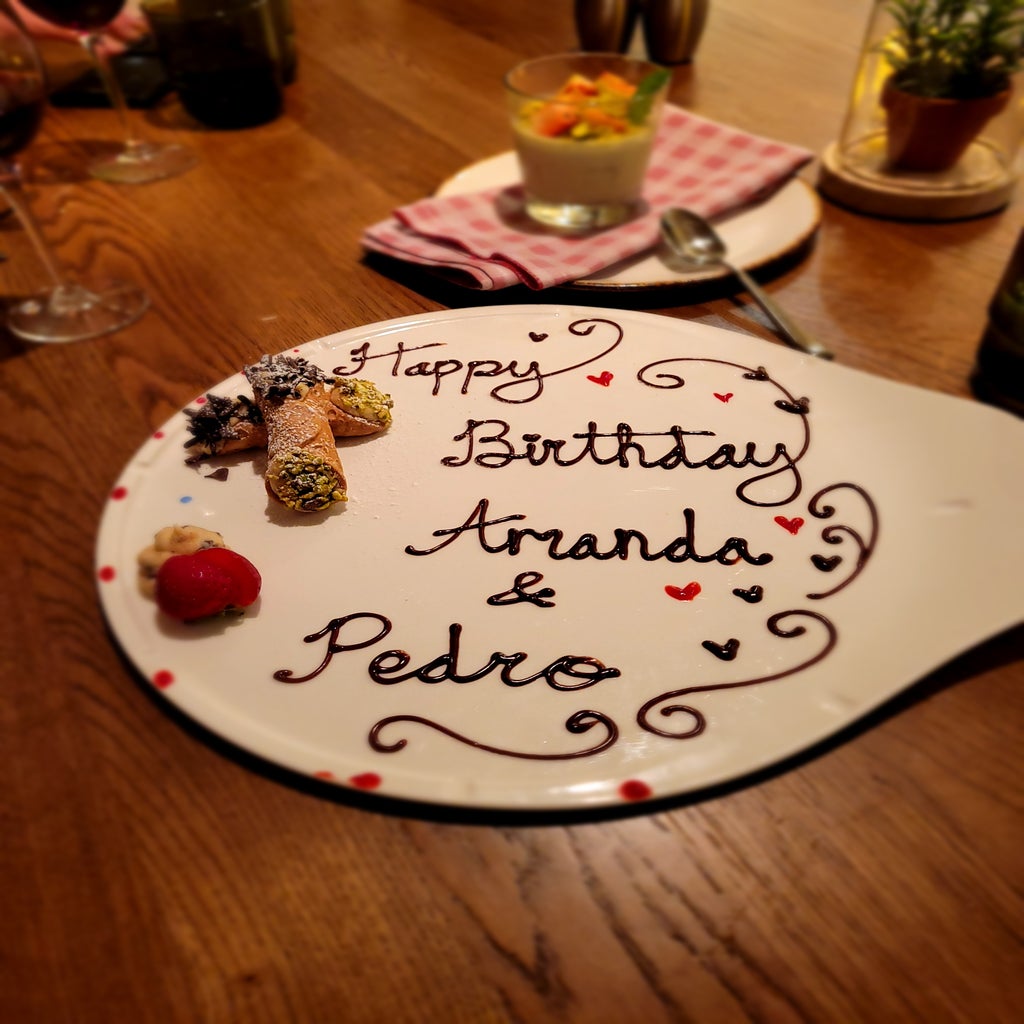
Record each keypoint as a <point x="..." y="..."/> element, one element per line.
<point x="585" y="108"/>
<point x="611" y="82"/>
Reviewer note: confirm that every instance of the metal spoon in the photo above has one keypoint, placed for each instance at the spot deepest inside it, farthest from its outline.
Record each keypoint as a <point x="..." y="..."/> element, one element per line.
<point x="695" y="241"/>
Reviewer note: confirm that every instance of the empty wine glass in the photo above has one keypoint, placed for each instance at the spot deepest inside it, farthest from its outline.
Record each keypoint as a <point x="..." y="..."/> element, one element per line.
<point x="66" y="311"/>
<point x="140" y="160"/>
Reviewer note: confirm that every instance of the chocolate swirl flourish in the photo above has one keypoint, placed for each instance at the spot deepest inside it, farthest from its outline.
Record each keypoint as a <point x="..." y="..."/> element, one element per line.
<point x="775" y="627"/>
<point x="581" y="328"/>
<point x="787" y="403"/>
<point x="837" y="533"/>
<point x="578" y="723"/>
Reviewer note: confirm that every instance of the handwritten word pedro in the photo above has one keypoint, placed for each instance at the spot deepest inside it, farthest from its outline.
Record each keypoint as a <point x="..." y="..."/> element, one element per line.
<point x="569" y="672"/>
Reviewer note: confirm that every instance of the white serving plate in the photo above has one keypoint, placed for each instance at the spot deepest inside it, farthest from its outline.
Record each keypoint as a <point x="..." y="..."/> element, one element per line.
<point x="925" y="488"/>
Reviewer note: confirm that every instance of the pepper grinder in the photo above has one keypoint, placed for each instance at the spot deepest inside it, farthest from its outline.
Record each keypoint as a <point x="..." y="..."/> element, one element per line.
<point x="671" y="28"/>
<point x="605" y="26"/>
<point x="999" y="372"/>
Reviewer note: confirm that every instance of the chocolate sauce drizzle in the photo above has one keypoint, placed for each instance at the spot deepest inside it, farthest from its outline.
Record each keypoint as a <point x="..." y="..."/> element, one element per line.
<point x="529" y="377"/>
<point x="487" y="445"/>
<point x="796" y="406"/>
<point x="775" y="627"/>
<point x="519" y="592"/>
<point x="837" y="533"/>
<point x="578" y="723"/>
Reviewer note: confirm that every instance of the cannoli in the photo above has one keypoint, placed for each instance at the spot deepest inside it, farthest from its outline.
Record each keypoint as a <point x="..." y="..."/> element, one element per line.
<point x="303" y="468"/>
<point x="358" y="408"/>
<point x="224" y="425"/>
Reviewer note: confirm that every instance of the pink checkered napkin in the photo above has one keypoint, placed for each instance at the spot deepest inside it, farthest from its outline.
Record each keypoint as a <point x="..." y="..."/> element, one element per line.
<point x="486" y="236"/>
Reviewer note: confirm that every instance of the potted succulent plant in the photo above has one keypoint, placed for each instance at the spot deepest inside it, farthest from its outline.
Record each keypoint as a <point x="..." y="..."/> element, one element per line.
<point x="952" y="63"/>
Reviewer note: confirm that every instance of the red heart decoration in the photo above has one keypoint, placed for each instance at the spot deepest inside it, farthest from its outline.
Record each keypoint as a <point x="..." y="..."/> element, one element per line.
<point x="792" y="525"/>
<point x="722" y="398"/>
<point x="687" y="593"/>
<point x="604" y="380"/>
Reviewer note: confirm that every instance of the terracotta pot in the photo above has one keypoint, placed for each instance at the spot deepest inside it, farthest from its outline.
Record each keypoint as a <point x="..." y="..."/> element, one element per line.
<point x="926" y="134"/>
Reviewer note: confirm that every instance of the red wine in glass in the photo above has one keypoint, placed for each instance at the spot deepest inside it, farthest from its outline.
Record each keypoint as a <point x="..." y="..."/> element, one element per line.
<point x="80" y="15"/>
<point x="20" y="117"/>
<point x="140" y="160"/>
<point x="66" y="311"/>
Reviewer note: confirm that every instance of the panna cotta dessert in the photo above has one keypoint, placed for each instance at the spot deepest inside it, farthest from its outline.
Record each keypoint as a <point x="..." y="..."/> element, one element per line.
<point x="584" y="127"/>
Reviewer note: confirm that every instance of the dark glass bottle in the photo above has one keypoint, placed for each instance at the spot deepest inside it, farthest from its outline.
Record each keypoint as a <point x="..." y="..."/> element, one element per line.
<point x="284" y="30"/>
<point x="999" y="372"/>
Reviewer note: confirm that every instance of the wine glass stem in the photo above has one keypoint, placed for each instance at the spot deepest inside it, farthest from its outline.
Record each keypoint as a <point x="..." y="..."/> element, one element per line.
<point x="10" y="188"/>
<point x="91" y="41"/>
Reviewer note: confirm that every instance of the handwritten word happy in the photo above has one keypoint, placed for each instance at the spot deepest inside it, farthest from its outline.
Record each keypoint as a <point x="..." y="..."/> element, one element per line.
<point x="528" y="379"/>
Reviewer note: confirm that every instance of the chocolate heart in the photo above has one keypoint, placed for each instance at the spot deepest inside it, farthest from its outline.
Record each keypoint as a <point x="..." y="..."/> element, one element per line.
<point x="687" y="593"/>
<point x="604" y="380"/>
<point x="792" y="525"/>
<point x="826" y="563"/>
<point x="537" y="336"/>
<point x="751" y="596"/>
<point x="798" y="406"/>
<point x="726" y="651"/>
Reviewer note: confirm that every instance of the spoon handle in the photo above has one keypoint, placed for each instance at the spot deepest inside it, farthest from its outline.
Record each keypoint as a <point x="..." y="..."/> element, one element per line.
<point x="790" y="331"/>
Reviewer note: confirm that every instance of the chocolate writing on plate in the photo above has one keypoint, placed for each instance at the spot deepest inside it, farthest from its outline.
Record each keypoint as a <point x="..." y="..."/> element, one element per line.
<point x="767" y="474"/>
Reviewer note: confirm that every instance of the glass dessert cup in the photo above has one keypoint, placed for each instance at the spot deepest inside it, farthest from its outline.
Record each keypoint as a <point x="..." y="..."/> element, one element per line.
<point x="584" y="126"/>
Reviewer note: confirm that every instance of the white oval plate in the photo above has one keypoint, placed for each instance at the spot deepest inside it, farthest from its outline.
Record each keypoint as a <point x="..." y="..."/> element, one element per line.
<point x="918" y="561"/>
<point x="755" y="235"/>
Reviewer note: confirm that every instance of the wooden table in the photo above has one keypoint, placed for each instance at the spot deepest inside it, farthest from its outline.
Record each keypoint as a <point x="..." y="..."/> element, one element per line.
<point x="153" y="875"/>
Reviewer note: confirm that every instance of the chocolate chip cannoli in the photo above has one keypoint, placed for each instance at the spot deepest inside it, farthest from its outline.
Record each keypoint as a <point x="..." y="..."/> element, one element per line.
<point x="224" y="425"/>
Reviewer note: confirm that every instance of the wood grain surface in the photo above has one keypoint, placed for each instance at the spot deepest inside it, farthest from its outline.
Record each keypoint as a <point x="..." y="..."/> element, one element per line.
<point x="151" y="873"/>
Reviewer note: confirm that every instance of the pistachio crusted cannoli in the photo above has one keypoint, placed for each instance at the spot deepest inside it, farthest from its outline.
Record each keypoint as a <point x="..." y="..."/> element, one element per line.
<point x="358" y="408"/>
<point x="304" y="471"/>
<point x="224" y="425"/>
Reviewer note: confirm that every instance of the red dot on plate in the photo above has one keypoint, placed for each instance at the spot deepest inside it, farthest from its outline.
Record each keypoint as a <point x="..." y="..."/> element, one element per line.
<point x="118" y="493"/>
<point x="163" y="679"/>
<point x="634" y="789"/>
<point x="368" y="780"/>
<point x="107" y="573"/>
<point x="201" y="400"/>
<point x="158" y="434"/>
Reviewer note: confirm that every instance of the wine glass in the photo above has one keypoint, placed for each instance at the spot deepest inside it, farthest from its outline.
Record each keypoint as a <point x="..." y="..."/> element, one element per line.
<point x="67" y="311"/>
<point x="140" y="160"/>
